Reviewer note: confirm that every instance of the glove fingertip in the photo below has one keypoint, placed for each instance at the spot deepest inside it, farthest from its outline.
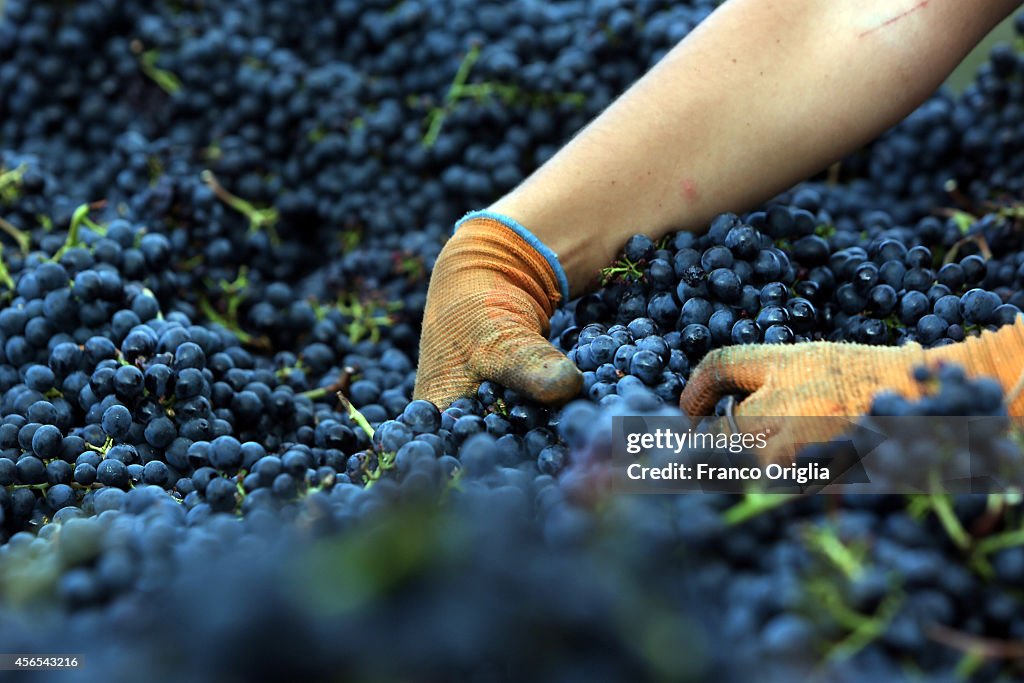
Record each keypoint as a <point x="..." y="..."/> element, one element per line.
<point x="555" y="381"/>
<point x="540" y="372"/>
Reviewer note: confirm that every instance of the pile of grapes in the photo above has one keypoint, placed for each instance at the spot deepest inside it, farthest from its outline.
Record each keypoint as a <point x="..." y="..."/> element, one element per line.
<point x="218" y="221"/>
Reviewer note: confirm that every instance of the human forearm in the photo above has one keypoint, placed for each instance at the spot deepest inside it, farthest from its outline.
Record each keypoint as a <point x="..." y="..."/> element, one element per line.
<point x="758" y="97"/>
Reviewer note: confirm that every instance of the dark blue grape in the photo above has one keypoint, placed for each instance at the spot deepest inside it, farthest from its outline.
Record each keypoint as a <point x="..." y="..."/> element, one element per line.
<point x="113" y="473"/>
<point x="552" y="459"/>
<point x="811" y="250"/>
<point x="743" y="241"/>
<point x="725" y="285"/>
<point x="911" y="307"/>
<point x="919" y="279"/>
<point x="639" y="248"/>
<point x="716" y="257"/>
<point x="952" y="275"/>
<point x="892" y="274"/>
<point x="85" y="474"/>
<point x="421" y="417"/>
<point x="974" y="268"/>
<point x="1005" y="314"/>
<point x="720" y="326"/>
<point x="865" y="277"/>
<point x="647" y="366"/>
<point x="774" y="294"/>
<point x="117" y="420"/>
<point x="978" y="306"/>
<point x="695" y="311"/>
<point x="47" y="442"/>
<point x="696" y="340"/>
<point x="778" y="334"/>
<point x="772" y="315"/>
<point x="663" y="309"/>
<point x="767" y="266"/>
<point x="931" y="328"/>
<point x="745" y="331"/>
<point x="850" y="300"/>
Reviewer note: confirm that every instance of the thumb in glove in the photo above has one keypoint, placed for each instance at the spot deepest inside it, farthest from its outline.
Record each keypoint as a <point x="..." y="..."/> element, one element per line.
<point x="491" y="296"/>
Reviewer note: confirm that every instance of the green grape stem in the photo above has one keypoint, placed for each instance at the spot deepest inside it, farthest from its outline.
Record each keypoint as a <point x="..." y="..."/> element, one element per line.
<point x="72" y="238"/>
<point x="5" y="275"/>
<point x="259" y="219"/>
<point x="21" y="237"/>
<point x="508" y="93"/>
<point x="354" y="414"/>
<point x="164" y="79"/>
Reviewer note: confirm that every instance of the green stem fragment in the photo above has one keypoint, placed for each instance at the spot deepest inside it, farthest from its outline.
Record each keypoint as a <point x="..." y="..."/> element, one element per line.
<point x="828" y="544"/>
<point x="825" y="230"/>
<point x="149" y="292"/>
<point x="316" y="134"/>
<point x="437" y="115"/>
<point x="165" y="80"/>
<point x="623" y="269"/>
<point x="454" y="484"/>
<point x="435" y="120"/>
<point x="994" y="544"/>
<point x="259" y="219"/>
<point x="365" y="320"/>
<point x="943" y="509"/>
<point x="462" y="73"/>
<point x="10" y="183"/>
<point x="34" y="487"/>
<point x="865" y="629"/>
<point x="331" y="389"/>
<point x="385" y="461"/>
<point x="80" y="215"/>
<point x="969" y="665"/>
<point x="508" y="93"/>
<point x="5" y="275"/>
<point x="191" y="263"/>
<point x="963" y="220"/>
<point x="22" y="238"/>
<point x="349" y="239"/>
<point x="210" y="312"/>
<point x="753" y="504"/>
<point x="974" y="647"/>
<point x="976" y="239"/>
<point x="299" y="366"/>
<point x="317" y="394"/>
<point x="102" y="450"/>
<point x="354" y="414"/>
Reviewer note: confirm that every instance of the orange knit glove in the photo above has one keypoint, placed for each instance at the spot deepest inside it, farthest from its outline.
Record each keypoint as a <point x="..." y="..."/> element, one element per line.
<point x="489" y="304"/>
<point x="837" y="380"/>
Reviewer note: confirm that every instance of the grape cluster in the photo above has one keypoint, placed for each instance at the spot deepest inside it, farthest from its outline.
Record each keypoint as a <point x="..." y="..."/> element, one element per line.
<point x="218" y="224"/>
<point x="786" y="275"/>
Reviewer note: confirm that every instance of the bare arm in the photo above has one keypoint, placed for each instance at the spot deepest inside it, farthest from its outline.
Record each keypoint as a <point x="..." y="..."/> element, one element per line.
<point x="761" y="95"/>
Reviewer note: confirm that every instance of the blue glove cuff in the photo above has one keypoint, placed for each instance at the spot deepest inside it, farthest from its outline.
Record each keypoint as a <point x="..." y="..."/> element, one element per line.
<point x="531" y="239"/>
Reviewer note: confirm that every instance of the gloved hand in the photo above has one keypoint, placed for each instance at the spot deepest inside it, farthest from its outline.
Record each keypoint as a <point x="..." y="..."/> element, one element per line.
<point x="489" y="304"/>
<point x="837" y="380"/>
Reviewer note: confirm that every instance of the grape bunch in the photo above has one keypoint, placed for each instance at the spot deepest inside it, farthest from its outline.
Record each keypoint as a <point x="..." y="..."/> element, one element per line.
<point x="786" y="275"/>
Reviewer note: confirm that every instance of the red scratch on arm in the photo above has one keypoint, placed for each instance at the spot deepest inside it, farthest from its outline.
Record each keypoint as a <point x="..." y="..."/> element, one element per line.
<point x="893" y="20"/>
<point x="688" y="190"/>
